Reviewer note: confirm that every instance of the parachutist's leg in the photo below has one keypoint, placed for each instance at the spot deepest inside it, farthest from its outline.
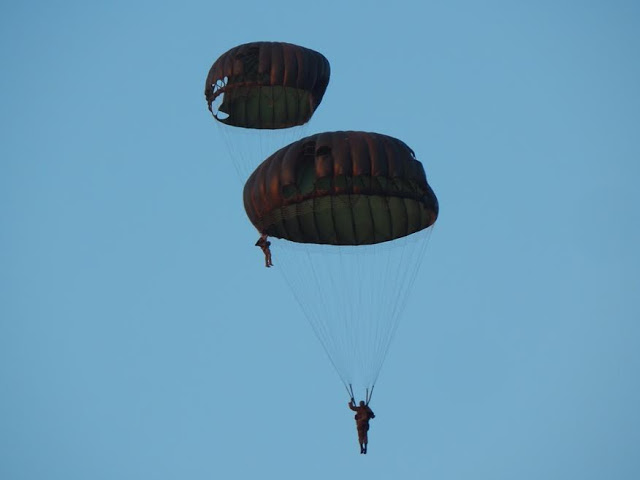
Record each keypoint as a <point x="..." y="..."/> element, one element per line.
<point x="362" y="439"/>
<point x="365" y="440"/>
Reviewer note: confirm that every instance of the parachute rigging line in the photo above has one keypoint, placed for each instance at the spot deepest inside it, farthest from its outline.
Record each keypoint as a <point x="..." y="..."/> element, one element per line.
<point x="369" y="395"/>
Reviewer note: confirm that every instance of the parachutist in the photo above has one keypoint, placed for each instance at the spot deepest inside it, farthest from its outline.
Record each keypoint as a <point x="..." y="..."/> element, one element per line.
<point x="319" y="197"/>
<point x="362" y="416"/>
<point x="264" y="245"/>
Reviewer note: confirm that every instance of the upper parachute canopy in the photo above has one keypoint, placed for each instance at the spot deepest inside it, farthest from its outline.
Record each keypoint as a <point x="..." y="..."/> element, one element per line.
<point x="341" y="188"/>
<point x="267" y="85"/>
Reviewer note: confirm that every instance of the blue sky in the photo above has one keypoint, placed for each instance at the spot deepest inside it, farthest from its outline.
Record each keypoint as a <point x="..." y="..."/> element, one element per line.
<point x="140" y="334"/>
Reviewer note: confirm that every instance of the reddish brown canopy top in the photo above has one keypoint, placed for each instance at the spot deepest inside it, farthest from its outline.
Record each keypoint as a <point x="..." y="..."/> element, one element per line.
<point x="268" y="84"/>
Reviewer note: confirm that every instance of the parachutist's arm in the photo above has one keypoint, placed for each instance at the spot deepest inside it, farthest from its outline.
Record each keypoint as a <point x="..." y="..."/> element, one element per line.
<point x="262" y="241"/>
<point x="352" y="406"/>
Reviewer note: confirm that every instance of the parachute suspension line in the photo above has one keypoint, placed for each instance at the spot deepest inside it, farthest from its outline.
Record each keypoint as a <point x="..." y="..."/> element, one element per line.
<point x="359" y="340"/>
<point x="383" y="293"/>
<point x="373" y="295"/>
<point x="323" y="329"/>
<point x="232" y="149"/>
<point x="318" y="333"/>
<point x="313" y="320"/>
<point x="396" y="285"/>
<point x="386" y="294"/>
<point x="357" y="307"/>
<point x="323" y="292"/>
<point x="391" y="272"/>
<point x="353" y="297"/>
<point x="350" y="328"/>
<point x="369" y="395"/>
<point x="248" y="148"/>
<point x="410" y="278"/>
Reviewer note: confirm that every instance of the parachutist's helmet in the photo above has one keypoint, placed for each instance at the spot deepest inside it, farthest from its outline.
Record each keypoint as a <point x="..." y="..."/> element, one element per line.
<point x="362" y="403"/>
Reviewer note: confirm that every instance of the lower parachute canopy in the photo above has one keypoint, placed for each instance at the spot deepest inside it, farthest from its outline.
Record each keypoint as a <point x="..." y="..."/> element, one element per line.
<point x="353" y="211"/>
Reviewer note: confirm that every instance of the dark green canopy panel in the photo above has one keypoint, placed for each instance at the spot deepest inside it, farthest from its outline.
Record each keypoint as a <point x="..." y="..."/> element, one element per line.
<point x="267" y="85"/>
<point x="341" y="188"/>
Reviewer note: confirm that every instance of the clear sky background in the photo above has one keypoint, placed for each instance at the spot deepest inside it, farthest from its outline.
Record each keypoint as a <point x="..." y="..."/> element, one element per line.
<point x="142" y="338"/>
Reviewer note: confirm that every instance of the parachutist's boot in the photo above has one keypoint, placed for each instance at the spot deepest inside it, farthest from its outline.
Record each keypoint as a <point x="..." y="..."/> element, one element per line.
<point x="361" y="449"/>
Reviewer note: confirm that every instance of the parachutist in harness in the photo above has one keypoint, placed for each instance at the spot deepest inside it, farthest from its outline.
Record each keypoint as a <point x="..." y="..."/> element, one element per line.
<point x="264" y="245"/>
<point x="363" y="415"/>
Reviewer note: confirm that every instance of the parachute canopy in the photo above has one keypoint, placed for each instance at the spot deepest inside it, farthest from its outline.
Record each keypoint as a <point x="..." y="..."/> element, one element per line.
<point x="341" y="188"/>
<point x="266" y="85"/>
